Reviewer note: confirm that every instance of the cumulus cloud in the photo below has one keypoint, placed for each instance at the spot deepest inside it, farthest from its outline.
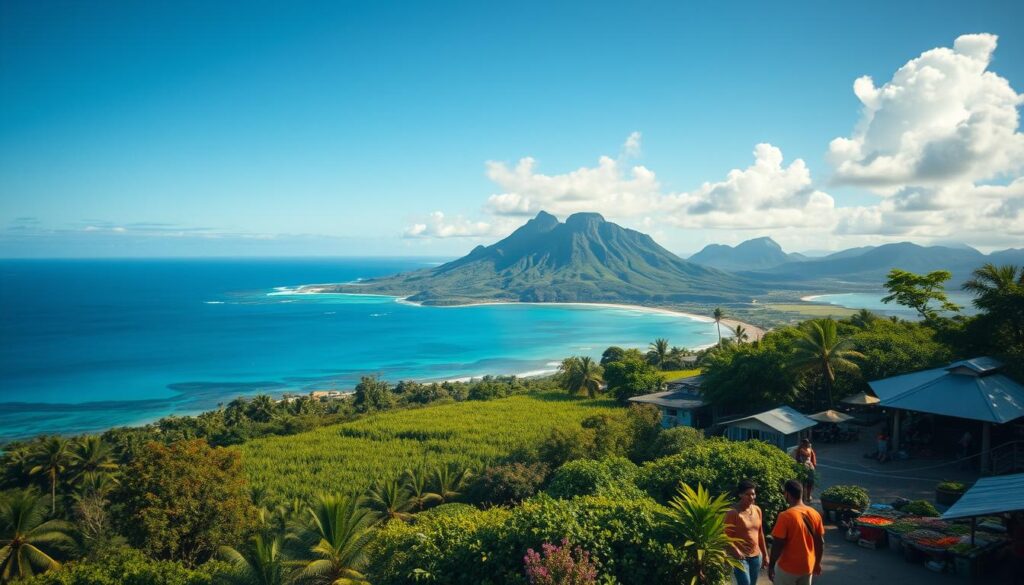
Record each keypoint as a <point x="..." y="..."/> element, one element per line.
<point x="942" y="117"/>
<point x="767" y="194"/>
<point x="607" y="188"/>
<point x="938" y="144"/>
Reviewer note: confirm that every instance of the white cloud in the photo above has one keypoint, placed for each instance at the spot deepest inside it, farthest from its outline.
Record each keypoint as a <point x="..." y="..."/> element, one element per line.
<point x="437" y="225"/>
<point x="766" y="194"/>
<point x="942" y="117"/>
<point x="606" y="188"/>
<point x="930" y="142"/>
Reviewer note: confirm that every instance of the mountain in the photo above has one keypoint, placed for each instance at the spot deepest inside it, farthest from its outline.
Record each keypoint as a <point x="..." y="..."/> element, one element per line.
<point x="870" y="266"/>
<point x="584" y="259"/>
<point x="756" y="254"/>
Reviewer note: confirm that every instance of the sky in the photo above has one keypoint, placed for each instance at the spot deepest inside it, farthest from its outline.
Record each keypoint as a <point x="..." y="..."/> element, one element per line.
<point x="355" y="128"/>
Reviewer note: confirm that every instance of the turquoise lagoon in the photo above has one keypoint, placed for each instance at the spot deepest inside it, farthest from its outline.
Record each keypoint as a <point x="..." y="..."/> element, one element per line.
<point x="91" y="344"/>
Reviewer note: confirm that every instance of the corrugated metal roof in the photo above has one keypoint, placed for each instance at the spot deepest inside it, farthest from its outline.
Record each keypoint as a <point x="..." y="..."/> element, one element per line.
<point x="783" y="419"/>
<point x="981" y="395"/>
<point x="681" y="399"/>
<point x="990" y="495"/>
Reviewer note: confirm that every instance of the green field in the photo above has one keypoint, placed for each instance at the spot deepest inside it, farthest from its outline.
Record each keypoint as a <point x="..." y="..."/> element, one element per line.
<point x="812" y="311"/>
<point x="350" y="456"/>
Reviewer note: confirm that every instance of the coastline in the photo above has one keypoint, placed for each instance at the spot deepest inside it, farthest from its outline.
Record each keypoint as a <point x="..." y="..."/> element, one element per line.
<point x="755" y="332"/>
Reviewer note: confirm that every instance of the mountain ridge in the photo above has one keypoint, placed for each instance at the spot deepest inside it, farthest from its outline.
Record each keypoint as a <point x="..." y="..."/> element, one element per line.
<point x="584" y="259"/>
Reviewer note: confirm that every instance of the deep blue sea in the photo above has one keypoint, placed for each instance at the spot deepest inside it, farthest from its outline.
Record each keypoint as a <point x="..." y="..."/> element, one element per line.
<point x="90" y="344"/>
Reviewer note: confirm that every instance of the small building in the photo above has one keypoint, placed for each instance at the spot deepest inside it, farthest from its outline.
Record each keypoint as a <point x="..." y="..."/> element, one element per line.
<point x="974" y="390"/>
<point x="682" y="404"/>
<point x="782" y="427"/>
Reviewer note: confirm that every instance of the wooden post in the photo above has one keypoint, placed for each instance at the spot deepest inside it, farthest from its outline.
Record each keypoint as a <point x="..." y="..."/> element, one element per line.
<point x="986" y="447"/>
<point x="896" y="431"/>
<point x="974" y="522"/>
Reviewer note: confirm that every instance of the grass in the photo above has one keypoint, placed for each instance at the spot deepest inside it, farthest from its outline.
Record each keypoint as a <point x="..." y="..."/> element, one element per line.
<point x="672" y="375"/>
<point x="813" y="311"/>
<point x="348" y="457"/>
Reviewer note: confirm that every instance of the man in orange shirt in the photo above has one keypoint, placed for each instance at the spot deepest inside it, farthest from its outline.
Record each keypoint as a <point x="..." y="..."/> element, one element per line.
<point x="798" y="540"/>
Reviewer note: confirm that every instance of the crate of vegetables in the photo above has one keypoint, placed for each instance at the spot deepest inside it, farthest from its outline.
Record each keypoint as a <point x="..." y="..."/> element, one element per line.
<point x="872" y="528"/>
<point x="930" y="541"/>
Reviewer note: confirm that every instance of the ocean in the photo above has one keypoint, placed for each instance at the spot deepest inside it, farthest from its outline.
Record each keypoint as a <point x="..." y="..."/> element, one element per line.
<point x="873" y="302"/>
<point x="86" y="345"/>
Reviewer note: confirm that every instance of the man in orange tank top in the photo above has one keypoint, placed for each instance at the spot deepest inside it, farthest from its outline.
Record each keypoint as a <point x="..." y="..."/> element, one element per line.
<point x="798" y="541"/>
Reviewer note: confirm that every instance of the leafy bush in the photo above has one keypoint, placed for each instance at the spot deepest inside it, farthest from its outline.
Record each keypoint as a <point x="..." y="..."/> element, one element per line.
<point x="586" y="477"/>
<point x="566" y="444"/>
<point x="920" y="508"/>
<point x="559" y="565"/>
<point x="507" y="484"/>
<point x="675" y="440"/>
<point x="849" y="495"/>
<point x="632" y="376"/>
<point x="720" y="465"/>
<point x="622" y="534"/>
<point x="183" y="500"/>
<point x="128" y="566"/>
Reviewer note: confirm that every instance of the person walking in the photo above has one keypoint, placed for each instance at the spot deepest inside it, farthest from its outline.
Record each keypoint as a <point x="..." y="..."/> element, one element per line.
<point x="806" y="456"/>
<point x="798" y="540"/>
<point x="744" y="523"/>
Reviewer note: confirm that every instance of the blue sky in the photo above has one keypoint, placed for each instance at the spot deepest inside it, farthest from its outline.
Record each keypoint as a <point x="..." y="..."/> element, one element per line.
<point x="339" y="128"/>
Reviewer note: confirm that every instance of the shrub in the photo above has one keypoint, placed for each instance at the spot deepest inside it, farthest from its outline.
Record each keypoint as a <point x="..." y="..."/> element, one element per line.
<point x="559" y="565"/>
<point x="507" y="484"/>
<point x="586" y="477"/>
<point x="473" y="547"/>
<point x="849" y="495"/>
<point x="719" y="465"/>
<point x="566" y="444"/>
<point x="127" y="566"/>
<point x="183" y="500"/>
<point x="675" y="440"/>
<point x="920" y="508"/>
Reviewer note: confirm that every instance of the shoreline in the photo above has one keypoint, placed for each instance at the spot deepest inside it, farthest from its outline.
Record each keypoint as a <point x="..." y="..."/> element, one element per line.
<point x="755" y="332"/>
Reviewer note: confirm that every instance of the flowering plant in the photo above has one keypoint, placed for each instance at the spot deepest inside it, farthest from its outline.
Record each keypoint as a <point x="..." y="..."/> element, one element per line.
<point x="559" y="565"/>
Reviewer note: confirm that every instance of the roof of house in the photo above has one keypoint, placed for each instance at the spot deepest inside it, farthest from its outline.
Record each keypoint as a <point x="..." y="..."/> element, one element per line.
<point x="972" y="389"/>
<point x="783" y="419"/>
<point x="990" y="495"/>
<point x="679" y="399"/>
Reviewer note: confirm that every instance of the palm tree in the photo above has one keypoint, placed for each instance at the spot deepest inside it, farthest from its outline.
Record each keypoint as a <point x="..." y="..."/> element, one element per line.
<point x="719" y="314"/>
<point x="581" y="373"/>
<point x="821" y="352"/>
<point x="999" y="291"/>
<point x="417" y="483"/>
<point x="261" y="409"/>
<point x="27" y="542"/>
<point x="51" y="457"/>
<point x="261" y="562"/>
<point x="390" y="500"/>
<point x="90" y="454"/>
<point x="337" y="536"/>
<point x="449" y="482"/>
<point x="740" y="333"/>
<point x="698" y="521"/>
<point x="863" y="318"/>
<point x="659" y="353"/>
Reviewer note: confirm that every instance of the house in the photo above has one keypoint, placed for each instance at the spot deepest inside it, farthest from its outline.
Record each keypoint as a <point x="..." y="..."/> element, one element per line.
<point x="782" y="427"/>
<point x="975" y="391"/>
<point x="682" y="404"/>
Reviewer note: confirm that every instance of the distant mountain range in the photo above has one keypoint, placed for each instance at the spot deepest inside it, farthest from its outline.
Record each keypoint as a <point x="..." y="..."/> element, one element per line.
<point x="588" y="259"/>
<point x="585" y="259"/>
<point x="763" y="259"/>
<point x="755" y="254"/>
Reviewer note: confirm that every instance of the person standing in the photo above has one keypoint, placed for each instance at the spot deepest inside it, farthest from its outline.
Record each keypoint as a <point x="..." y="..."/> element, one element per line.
<point x="798" y="541"/>
<point x="744" y="523"/>
<point x="806" y="456"/>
